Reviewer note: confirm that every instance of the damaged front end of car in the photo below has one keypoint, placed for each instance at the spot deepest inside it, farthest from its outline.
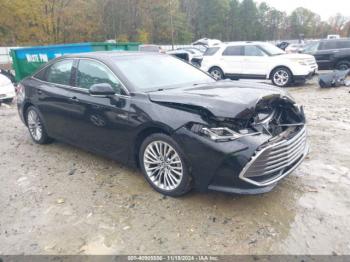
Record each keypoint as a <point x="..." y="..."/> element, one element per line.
<point x="284" y="122"/>
<point x="252" y="150"/>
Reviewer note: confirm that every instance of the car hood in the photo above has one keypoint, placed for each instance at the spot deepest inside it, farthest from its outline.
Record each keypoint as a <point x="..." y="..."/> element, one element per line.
<point x="227" y="99"/>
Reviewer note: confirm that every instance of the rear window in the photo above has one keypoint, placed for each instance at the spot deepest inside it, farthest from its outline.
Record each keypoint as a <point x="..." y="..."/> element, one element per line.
<point x="233" y="51"/>
<point x="41" y="75"/>
<point x="60" y="72"/>
<point x="211" y="51"/>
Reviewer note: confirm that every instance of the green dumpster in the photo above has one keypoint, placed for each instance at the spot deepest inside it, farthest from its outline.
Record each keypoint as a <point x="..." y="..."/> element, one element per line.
<point x="27" y="60"/>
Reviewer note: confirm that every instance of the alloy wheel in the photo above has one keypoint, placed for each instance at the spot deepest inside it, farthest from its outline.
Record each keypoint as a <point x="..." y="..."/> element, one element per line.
<point x="163" y="165"/>
<point x="216" y="74"/>
<point x="35" y="125"/>
<point x="281" y="77"/>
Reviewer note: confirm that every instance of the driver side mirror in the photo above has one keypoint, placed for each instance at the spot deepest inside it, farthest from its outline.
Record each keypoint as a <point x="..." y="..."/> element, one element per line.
<point x="103" y="89"/>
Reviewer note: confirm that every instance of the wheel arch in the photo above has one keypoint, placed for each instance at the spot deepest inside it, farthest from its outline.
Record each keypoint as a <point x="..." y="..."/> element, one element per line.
<point x="142" y="135"/>
<point x="342" y="60"/>
<point x="279" y="66"/>
<point x="210" y="68"/>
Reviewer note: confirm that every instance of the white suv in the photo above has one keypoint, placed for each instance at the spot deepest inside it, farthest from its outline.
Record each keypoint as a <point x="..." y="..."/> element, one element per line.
<point x="258" y="60"/>
<point x="7" y="90"/>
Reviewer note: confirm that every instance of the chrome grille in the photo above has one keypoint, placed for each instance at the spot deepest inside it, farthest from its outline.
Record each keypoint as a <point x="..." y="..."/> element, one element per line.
<point x="312" y="63"/>
<point x="276" y="160"/>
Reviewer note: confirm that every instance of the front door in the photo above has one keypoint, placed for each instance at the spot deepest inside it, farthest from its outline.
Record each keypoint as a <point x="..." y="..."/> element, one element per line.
<point x="255" y="62"/>
<point x="101" y="123"/>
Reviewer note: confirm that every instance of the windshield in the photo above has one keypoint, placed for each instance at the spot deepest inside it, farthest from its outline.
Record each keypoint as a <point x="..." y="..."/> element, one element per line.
<point x="311" y="48"/>
<point x="271" y="49"/>
<point x="153" y="72"/>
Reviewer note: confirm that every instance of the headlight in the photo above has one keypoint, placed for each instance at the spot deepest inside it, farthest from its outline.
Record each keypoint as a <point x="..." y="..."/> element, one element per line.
<point x="301" y="61"/>
<point x="220" y="134"/>
<point x="20" y="92"/>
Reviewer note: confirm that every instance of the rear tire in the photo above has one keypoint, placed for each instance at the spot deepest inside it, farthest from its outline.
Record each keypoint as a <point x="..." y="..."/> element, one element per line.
<point x="216" y="73"/>
<point x="343" y="65"/>
<point x="163" y="164"/>
<point x="281" y="77"/>
<point x="36" y="127"/>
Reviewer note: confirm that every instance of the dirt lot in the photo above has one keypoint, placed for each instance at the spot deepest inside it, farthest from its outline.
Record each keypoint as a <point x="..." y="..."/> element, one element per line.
<point x="57" y="199"/>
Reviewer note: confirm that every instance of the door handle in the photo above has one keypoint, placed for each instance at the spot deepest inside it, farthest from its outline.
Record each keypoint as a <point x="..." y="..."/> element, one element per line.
<point x="40" y="92"/>
<point x="74" y="99"/>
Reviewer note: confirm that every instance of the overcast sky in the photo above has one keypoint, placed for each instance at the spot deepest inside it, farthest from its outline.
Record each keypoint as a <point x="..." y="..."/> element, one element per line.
<point x="325" y="8"/>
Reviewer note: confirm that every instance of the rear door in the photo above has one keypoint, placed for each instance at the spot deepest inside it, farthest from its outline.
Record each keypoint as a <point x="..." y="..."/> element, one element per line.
<point x="231" y="60"/>
<point x="52" y="98"/>
<point x="325" y="53"/>
<point x="255" y="62"/>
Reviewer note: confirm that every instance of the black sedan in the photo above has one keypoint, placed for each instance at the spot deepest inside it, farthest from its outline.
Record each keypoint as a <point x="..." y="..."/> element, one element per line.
<point x="181" y="127"/>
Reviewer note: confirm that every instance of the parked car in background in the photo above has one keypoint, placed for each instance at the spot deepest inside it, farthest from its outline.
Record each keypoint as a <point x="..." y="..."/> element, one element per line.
<point x="8" y="74"/>
<point x="151" y="48"/>
<point x="333" y="36"/>
<point x="188" y="54"/>
<point x="207" y="42"/>
<point x="283" y="45"/>
<point x="258" y="60"/>
<point x="330" y="54"/>
<point x="294" y="48"/>
<point x="193" y="50"/>
<point x="181" y="127"/>
<point x="7" y="89"/>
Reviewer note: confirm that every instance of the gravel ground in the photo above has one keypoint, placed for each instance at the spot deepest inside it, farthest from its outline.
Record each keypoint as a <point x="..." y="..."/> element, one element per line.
<point x="57" y="199"/>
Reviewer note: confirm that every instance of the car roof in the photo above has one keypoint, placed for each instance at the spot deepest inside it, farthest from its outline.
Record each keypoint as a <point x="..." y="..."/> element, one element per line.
<point x="333" y="40"/>
<point x="112" y="54"/>
<point x="243" y="43"/>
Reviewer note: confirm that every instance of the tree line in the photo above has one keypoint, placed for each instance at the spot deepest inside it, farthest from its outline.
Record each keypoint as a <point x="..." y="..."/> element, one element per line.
<point x="36" y="22"/>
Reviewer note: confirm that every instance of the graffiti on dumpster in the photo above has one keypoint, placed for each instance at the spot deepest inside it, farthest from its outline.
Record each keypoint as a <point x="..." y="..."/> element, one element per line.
<point x="43" y="55"/>
<point x="40" y="58"/>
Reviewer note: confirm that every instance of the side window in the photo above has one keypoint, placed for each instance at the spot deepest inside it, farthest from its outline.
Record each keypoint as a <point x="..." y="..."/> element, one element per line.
<point x="327" y="45"/>
<point x="60" y="72"/>
<point x="233" y="51"/>
<point x="252" y="50"/>
<point x="90" y="73"/>
<point x="41" y="75"/>
<point x="211" y="51"/>
<point x="343" y="44"/>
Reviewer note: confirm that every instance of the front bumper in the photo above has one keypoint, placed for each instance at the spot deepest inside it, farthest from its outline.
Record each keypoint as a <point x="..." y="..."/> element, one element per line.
<point x="250" y="165"/>
<point x="303" y="78"/>
<point x="275" y="161"/>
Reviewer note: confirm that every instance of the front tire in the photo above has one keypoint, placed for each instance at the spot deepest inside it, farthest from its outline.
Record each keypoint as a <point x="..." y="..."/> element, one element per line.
<point x="281" y="77"/>
<point x="216" y="73"/>
<point x="36" y="127"/>
<point x="163" y="165"/>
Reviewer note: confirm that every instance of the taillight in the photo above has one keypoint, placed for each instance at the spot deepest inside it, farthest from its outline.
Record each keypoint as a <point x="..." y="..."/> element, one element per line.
<point x="20" y="92"/>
